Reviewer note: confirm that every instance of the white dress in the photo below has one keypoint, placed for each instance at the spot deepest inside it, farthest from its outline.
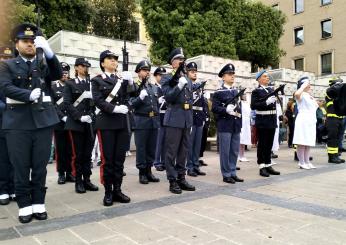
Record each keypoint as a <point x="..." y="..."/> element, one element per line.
<point x="245" y="134"/>
<point x="276" y="144"/>
<point x="305" y="124"/>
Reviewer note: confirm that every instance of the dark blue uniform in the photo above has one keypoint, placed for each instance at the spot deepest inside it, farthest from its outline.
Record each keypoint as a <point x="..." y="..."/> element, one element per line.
<point x="228" y="127"/>
<point x="159" y="153"/>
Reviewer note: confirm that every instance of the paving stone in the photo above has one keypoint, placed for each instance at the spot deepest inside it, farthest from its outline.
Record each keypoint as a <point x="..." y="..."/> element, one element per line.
<point x="93" y="232"/>
<point x="22" y="240"/>
<point x="60" y="237"/>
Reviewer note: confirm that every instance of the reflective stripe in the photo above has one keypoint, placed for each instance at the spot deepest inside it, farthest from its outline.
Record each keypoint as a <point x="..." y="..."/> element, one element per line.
<point x="197" y="108"/>
<point x="329" y="103"/>
<point x="272" y="112"/>
<point x="334" y="115"/>
<point x="332" y="150"/>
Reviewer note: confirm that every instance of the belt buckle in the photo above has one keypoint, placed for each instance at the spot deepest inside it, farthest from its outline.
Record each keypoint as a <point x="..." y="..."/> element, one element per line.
<point x="186" y="106"/>
<point x="151" y="114"/>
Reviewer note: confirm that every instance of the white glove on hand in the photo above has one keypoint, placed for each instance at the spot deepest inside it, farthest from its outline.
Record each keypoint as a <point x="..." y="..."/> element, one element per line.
<point x="143" y="94"/>
<point x="271" y="100"/>
<point x="121" y="109"/>
<point x="230" y="108"/>
<point x="126" y="75"/>
<point x="41" y="42"/>
<point x="88" y="95"/>
<point x="161" y="100"/>
<point x="86" y="119"/>
<point x="35" y="94"/>
<point x="182" y="82"/>
<point x="64" y="119"/>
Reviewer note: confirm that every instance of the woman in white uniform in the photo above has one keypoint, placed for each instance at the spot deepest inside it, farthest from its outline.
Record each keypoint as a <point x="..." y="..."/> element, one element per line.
<point x="305" y="124"/>
<point x="245" y="134"/>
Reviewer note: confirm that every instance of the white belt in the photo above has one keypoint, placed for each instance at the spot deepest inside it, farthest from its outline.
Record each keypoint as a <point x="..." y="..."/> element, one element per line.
<point x="10" y="101"/>
<point x="272" y="112"/>
<point x="236" y="114"/>
<point x="84" y="95"/>
<point x="197" y="108"/>
<point x="112" y="95"/>
<point x="162" y="111"/>
<point x="60" y="101"/>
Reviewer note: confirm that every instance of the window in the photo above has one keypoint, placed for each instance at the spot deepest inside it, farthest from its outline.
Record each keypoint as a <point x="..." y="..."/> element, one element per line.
<point x="299" y="64"/>
<point x="325" y="2"/>
<point x="326" y="63"/>
<point x="298" y="6"/>
<point x="299" y="36"/>
<point x="326" y="28"/>
<point x="275" y="6"/>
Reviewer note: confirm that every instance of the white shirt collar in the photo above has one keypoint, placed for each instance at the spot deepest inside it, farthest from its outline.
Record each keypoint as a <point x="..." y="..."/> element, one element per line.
<point x="25" y="59"/>
<point x="227" y="86"/>
<point x="109" y="74"/>
<point x="81" y="79"/>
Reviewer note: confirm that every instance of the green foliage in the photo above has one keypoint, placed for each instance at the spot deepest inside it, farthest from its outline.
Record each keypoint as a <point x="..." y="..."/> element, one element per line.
<point x="114" y="19"/>
<point x="226" y="28"/>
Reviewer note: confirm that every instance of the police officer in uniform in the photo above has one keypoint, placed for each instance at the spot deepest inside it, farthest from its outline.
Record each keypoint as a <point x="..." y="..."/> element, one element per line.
<point x="110" y="93"/>
<point x="229" y="123"/>
<point x="29" y="117"/>
<point x="80" y="111"/>
<point x="159" y="162"/>
<point x="146" y="122"/>
<point x="199" y="116"/>
<point x="6" y="173"/>
<point x="265" y="123"/>
<point x="334" y="122"/>
<point x="61" y="136"/>
<point x="178" y="123"/>
<point x="204" y="133"/>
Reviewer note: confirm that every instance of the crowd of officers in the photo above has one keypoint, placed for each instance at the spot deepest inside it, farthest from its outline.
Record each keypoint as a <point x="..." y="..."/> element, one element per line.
<point x="169" y="117"/>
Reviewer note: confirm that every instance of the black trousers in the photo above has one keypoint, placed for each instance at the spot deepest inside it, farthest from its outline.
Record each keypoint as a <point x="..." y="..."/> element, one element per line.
<point x="145" y="140"/>
<point x="82" y="145"/>
<point x="176" y="143"/>
<point x="62" y="151"/>
<point x="113" y="148"/>
<point x="290" y="134"/>
<point x="334" y="127"/>
<point x="29" y="152"/>
<point x="6" y="169"/>
<point x="265" y="144"/>
<point x="204" y="139"/>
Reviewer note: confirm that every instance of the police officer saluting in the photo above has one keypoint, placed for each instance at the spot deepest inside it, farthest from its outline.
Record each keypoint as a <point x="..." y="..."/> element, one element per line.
<point x="265" y="123"/>
<point x="178" y="122"/>
<point x="29" y="118"/>
<point x="146" y="123"/>
<point x="229" y="123"/>
<point x="61" y="136"/>
<point x="80" y="111"/>
<point x="110" y="93"/>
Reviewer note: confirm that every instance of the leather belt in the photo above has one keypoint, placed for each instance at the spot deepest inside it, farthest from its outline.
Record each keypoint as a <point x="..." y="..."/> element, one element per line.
<point x="149" y="114"/>
<point x="272" y="112"/>
<point x="184" y="106"/>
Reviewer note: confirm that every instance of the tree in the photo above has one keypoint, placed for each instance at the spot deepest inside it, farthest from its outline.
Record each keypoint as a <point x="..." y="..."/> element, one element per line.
<point x="114" y="19"/>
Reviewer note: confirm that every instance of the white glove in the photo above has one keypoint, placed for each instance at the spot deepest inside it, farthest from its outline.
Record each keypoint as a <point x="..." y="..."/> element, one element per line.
<point x="86" y="119"/>
<point x="126" y="75"/>
<point x="121" y="109"/>
<point x="230" y="108"/>
<point x="35" y="94"/>
<point x="182" y="82"/>
<point x="143" y="94"/>
<point x="271" y="100"/>
<point x="161" y="100"/>
<point x="195" y="95"/>
<point x="64" y="119"/>
<point x="87" y="95"/>
<point x="41" y="42"/>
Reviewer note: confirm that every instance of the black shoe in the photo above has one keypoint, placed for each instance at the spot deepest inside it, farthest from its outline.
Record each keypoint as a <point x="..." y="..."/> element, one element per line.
<point x="160" y="168"/>
<point x="118" y="196"/>
<point x="334" y="158"/>
<point x="272" y="171"/>
<point x="4" y="201"/>
<point x="90" y="186"/>
<point x="199" y="172"/>
<point x="25" y="219"/>
<point x="79" y="187"/>
<point x="263" y="172"/>
<point x="98" y="163"/>
<point x="124" y="174"/>
<point x="202" y="163"/>
<point x="237" y="179"/>
<point x="274" y="155"/>
<point x="151" y="177"/>
<point x="143" y="179"/>
<point x="174" y="187"/>
<point x="108" y="199"/>
<point x="40" y="216"/>
<point x="61" y="179"/>
<point x="185" y="186"/>
<point x="70" y="178"/>
<point x="237" y="168"/>
<point x="229" y="180"/>
<point x="191" y="173"/>
<point x="311" y="158"/>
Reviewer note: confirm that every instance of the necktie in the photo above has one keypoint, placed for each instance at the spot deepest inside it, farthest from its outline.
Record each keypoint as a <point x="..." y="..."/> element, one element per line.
<point x="83" y="81"/>
<point x="29" y="64"/>
<point x="112" y="76"/>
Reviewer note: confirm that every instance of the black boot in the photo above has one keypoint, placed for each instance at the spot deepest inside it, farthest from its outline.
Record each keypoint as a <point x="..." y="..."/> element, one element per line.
<point x="61" y="179"/>
<point x="143" y="179"/>
<point x="273" y="155"/>
<point x="79" y="186"/>
<point x="150" y="176"/>
<point x="70" y="178"/>
<point x="263" y="172"/>
<point x="118" y="196"/>
<point x="184" y="185"/>
<point x="272" y="171"/>
<point x="174" y="187"/>
<point x="334" y="158"/>
<point x="89" y="186"/>
<point x="108" y="198"/>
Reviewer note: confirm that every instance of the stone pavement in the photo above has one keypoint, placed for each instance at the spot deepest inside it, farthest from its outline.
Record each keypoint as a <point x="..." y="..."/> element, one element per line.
<point x="298" y="207"/>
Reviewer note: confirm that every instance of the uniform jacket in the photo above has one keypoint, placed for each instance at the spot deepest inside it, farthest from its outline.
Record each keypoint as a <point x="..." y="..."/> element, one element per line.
<point x="102" y="86"/>
<point x="74" y="88"/>
<point x="17" y="81"/>
<point x="57" y="94"/>
<point x="142" y="108"/>
<point x="199" y="116"/>
<point x="224" y="121"/>
<point x="176" y="116"/>
<point x="259" y="104"/>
